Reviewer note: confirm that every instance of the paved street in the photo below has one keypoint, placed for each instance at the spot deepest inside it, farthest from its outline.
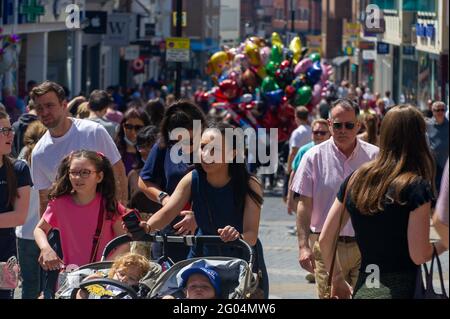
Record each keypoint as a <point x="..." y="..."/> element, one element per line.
<point x="287" y="278"/>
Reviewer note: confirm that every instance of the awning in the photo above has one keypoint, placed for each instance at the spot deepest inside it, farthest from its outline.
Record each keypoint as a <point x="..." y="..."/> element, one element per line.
<point x="340" y="60"/>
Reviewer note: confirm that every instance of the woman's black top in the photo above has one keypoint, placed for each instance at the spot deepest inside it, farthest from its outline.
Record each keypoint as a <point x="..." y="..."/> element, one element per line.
<point x="383" y="237"/>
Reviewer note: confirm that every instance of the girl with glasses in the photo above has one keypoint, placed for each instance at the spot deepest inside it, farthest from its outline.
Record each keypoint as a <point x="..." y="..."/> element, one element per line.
<point x="82" y="206"/>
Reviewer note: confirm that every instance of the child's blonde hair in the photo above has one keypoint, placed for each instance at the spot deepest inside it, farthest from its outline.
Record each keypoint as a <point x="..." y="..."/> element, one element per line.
<point x="133" y="260"/>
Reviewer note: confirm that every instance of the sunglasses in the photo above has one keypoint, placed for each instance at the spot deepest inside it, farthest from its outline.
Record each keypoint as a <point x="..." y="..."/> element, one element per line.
<point x="84" y="173"/>
<point x="347" y="125"/>
<point x="439" y="111"/>
<point x="320" y="133"/>
<point x="6" y="131"/>
<point x="130" y="127"/>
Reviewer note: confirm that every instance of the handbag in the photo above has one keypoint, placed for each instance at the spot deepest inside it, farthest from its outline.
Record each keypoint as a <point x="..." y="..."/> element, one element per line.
<point x="426" y="290"/>
<point x="9" y="274"/>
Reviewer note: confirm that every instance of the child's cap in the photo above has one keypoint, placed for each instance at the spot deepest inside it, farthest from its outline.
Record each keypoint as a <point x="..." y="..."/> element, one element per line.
<point x="210" y="273"/>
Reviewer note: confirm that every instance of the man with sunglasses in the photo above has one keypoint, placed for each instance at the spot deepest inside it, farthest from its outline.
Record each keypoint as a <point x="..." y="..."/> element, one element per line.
<point x="321" y="172"/>
<point x="437" y="132"/>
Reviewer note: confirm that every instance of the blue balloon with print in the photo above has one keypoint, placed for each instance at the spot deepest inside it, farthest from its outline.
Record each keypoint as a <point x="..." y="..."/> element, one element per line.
<point x="314" y="73"/>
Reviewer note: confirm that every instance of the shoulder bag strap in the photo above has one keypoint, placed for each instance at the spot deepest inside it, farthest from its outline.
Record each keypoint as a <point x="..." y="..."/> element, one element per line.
<point x="98" y="231"/>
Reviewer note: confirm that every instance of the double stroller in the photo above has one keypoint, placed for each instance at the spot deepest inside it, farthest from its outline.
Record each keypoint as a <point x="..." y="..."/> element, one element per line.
<point x="237" y="279"/>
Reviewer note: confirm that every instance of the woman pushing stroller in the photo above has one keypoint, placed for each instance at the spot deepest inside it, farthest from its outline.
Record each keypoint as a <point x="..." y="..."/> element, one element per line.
<point x="226" y="198"/>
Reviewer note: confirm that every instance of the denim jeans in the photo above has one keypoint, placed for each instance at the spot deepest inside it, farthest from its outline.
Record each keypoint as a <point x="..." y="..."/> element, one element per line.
<point x="31" y="270"/>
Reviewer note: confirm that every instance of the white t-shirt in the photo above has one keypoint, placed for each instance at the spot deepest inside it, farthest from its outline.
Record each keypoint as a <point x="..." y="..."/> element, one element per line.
<point x="50" y="151"/>
<point x="300" y="137"/>
<point x="26" y="231"/>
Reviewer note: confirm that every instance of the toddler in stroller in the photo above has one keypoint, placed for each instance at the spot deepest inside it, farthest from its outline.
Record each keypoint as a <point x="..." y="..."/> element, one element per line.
<point x="128" y="277"/>
<point x="200" y="282"/>
<point x="128" y="269"/>
<point x="230" y="277"/>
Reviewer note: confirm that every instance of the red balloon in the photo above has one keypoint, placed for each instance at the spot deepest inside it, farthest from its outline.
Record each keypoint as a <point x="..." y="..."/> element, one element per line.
<point x="229" y="89"/>
<point x="290" y="91"/>
<point x="285" y="64"/>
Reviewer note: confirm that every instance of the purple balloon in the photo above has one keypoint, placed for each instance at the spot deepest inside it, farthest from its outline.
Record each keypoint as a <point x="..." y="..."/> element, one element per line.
<point x="303" y="66"/>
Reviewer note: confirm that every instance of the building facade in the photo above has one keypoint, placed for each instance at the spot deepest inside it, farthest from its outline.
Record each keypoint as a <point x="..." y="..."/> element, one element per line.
<point x="414" y="61"/>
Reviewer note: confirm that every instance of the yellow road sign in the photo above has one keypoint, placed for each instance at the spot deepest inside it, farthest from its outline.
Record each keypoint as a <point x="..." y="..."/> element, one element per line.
<point x="178" y="49"/>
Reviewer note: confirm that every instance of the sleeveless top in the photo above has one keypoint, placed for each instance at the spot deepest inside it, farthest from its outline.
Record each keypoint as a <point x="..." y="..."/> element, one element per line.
<point x="214" y="208"/>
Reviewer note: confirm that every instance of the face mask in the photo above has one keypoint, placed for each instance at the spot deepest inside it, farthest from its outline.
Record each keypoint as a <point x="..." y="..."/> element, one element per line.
<point x="130" y="143"/>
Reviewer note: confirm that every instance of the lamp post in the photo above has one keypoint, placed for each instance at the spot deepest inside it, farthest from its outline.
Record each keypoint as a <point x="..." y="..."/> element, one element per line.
<point x="178" y="33"/>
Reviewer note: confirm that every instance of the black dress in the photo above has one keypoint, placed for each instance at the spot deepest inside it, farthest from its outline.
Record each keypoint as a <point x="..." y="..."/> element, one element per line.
<point x="383" y="241"/>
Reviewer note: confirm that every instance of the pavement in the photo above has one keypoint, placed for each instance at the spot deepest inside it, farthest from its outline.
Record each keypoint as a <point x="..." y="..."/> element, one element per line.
<point x="286" y="277"/>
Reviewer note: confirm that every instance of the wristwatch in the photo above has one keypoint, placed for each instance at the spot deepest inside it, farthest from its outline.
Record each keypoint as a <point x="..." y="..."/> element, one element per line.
<point x="161" y="196"/>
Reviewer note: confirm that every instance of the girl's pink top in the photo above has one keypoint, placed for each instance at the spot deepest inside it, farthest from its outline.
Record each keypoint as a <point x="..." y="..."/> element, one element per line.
<point x="77" y="225"/>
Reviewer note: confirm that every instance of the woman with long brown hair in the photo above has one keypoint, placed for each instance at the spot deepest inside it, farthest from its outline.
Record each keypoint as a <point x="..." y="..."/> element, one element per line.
<point x="371" y="133"/>
<point x="15" y="184"/>
<point x="389" y="202"/>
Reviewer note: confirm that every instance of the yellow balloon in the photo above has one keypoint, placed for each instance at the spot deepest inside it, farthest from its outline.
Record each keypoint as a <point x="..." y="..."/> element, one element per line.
<point x="276" y="40"/>
<point x="296" y="48"/>
<point x="261" y="72"/>
<point x="217" y="63"/>
<point x="252" y="52"/>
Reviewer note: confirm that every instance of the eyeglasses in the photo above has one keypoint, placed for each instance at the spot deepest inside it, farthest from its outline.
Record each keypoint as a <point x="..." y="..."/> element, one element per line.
<point x="347" y="125"/>
<point x="6" y="131"/>
<point x="320" y="133"/>
<point x="84" y="173"/>
<point x="439" y="111"/>
<point x="130" y="127"/>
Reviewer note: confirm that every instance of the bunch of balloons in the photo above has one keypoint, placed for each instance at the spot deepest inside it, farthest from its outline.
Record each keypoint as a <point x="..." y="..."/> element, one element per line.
<point x="279" y="77"/>
<point x="9" y="50"/>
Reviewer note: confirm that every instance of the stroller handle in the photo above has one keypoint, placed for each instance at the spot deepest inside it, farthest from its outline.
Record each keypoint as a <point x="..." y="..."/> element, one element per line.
<point x="182" y="240"/>
<point x="121" y="240"/>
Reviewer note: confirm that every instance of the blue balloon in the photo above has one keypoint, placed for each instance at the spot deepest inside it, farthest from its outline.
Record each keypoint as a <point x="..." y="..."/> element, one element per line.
<point x="274" y="97"/>
<point x="314" y="73"/>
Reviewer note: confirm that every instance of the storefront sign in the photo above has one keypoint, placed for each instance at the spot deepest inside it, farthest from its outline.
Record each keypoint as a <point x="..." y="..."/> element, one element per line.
<point x="352" y="31"/>
<point x="31" y="10"/>
<point x="315" y="43"/>
<point x="178" y="49"/>
<point x="97" y="22"/>
<point x="118" y="29"/>
<point x="425" y="30"/>
<point x="383" y="48"/>
<point x="409" y="50"/>
<point x="131" y="52"/>
<point x="369" y="55"/>
<point x="367" y="45"/>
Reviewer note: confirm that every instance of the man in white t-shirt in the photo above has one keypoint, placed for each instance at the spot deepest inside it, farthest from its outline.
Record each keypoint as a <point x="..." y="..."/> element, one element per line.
<point x="65" y="135"/>
<point x="299" y="138"/>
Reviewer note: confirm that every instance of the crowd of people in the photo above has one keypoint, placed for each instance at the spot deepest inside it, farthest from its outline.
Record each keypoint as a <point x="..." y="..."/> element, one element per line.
<point x="78" y="166"/>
